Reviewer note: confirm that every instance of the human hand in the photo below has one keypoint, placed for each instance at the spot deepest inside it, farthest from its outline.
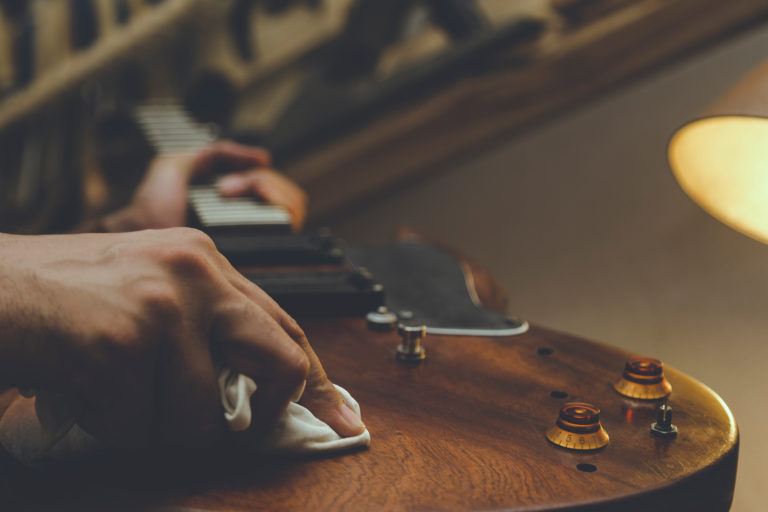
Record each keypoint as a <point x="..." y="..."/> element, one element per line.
<point x="161" y="199"/>
<point x="125" y="325"/>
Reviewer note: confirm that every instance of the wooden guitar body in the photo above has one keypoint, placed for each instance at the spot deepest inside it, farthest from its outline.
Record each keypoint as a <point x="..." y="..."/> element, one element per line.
<point x="463" y="430"/>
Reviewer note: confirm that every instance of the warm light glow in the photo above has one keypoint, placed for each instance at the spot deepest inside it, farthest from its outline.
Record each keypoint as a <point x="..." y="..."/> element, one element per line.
<point x="722" y="164"/>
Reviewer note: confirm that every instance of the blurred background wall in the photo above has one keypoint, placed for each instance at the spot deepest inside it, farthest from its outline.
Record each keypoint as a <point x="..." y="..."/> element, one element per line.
<point x="579" y="217"/>
<point x="583" y="223"/>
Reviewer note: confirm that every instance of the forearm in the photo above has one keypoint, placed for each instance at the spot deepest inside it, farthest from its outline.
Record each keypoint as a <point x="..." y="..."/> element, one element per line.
<point x="23" y="326"/>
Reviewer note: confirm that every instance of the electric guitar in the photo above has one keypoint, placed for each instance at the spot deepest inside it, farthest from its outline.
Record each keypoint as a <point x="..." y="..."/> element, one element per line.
<point x="468" y="410"/>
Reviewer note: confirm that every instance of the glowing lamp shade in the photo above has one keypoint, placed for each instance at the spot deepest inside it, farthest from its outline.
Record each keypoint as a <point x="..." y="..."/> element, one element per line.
<point x="722" y="164"/>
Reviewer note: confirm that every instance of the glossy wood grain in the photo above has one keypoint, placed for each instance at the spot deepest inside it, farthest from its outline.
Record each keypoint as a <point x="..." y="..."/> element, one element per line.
<point x="463" y="431"/>
<point x="466" y="431"/>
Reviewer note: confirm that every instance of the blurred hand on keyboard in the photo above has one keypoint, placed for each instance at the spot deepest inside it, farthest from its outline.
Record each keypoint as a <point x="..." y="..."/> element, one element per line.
<point x="161" y="199"/>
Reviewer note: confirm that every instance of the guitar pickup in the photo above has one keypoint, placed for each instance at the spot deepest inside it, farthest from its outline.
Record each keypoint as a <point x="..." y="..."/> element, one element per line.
<point x="294" y="249"/>
<point x="327" y="293"/>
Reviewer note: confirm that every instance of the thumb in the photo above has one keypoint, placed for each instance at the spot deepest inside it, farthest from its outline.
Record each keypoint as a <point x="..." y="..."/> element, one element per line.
<point x="227" y="157"/>
<point x="320" y="395"/>
<point x="233" y="185"/>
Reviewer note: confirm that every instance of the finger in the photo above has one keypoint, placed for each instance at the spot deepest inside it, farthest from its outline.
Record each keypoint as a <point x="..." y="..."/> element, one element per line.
<point x="276" y="195"/>
<point x="292" y="197"/>
<point x="229" y="156"/>
<point x="189" y="405"/>
<point x="271" y="187"/>
<point x="320" y="395"/>
<point x="115" y="407"/>
<point x="243" y="182"/>
<point x="253" y="344"/>
<point x="234" y="185"/>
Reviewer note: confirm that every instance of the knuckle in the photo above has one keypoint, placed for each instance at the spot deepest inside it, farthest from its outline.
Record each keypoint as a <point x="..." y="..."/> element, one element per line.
<point x="292" y="327"/>
<point x="160" y="301"/>
<point x="195" y="238"/>
<point x="121" y="342"/>
<point x="186" y="260"/>
<point x="295" y="369"/>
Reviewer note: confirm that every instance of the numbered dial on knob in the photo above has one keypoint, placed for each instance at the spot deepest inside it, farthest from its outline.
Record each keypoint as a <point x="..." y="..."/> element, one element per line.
<point x="578" y="427"/>
<point x="643" y="379"/>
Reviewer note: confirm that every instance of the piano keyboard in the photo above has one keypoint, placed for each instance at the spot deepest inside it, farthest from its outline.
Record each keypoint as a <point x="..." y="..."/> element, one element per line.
<point x="215" y="212"/>
<point x="322" y="281"/>
<point x="170" y="129"/>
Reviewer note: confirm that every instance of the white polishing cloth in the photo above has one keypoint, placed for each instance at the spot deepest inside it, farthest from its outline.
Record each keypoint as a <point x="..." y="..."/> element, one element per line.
<point x="38" y="430"/>
<point x="297" y="430"/>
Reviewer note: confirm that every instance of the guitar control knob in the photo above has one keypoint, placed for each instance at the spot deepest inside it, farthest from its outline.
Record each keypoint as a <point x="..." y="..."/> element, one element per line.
<point x="381" y="320"/>
<point x="643" y="379"/>
<point x="578" y="427"/>
<point x="410" y="349"/>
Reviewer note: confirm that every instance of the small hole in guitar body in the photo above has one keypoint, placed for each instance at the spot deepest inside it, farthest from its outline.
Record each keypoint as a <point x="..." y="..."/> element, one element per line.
<point x="586" y="468"/>
<point x="545" y="351"/>
<point x="558" y="394"/>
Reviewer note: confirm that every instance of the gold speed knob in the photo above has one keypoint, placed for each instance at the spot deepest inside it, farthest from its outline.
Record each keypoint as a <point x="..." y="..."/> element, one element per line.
<point x="578" y="427"/>
<point x="643" y="379"/>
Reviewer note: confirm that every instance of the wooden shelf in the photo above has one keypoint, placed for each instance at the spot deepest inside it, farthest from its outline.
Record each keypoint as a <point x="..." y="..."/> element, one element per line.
<point x="567" y="67"/>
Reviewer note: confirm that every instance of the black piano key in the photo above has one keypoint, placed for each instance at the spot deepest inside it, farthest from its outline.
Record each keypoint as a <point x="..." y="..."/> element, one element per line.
<point x="24" y="51"/>
<point x="240" y="27"/>
<point x="14" y="9"/>
<point x="84" y="23"/>
<point x="122" y="11"/>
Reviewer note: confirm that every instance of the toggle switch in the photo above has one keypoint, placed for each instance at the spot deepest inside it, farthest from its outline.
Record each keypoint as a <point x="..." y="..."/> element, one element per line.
<point x="663" y="426"/>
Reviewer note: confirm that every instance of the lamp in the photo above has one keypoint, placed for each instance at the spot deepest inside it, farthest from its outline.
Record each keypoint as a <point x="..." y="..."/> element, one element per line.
<point x="721" y="161"/>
